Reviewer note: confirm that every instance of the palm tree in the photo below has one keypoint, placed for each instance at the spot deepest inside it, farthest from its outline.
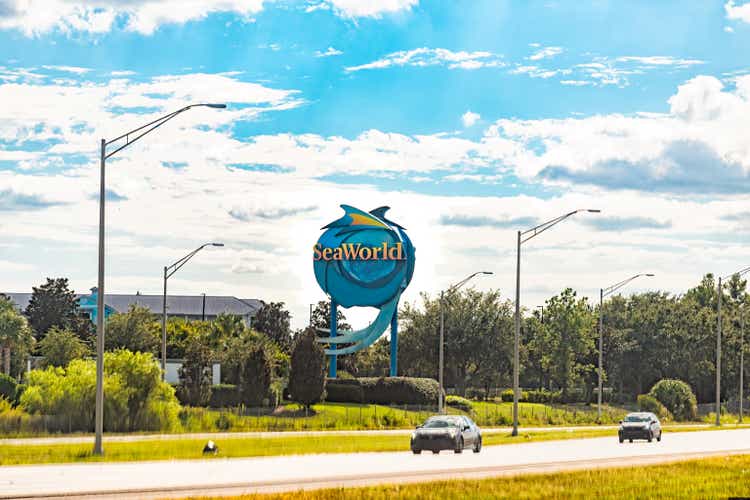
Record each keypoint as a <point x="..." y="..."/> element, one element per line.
<point x="14" y="329"/>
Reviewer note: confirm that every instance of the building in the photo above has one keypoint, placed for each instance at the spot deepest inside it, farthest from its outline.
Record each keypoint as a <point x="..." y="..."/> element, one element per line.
<point x="201" y="307"/>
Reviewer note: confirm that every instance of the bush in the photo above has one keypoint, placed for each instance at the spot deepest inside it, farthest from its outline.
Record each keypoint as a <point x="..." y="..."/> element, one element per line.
<point x="542" y="396"/>
<point x="651" y="404"/>
<point x="677" y="397"/>
<point x="459" y="403"/>
<point x="196" y="372"/>
<point x="400" y="390"/>
<point x="8" y="388"/>
<point x="507" y="396"/>
<point x="224" y="396"/>
<point x="136" y="397"/>
<point x="255" y="376"/>
<point x="344" y="390"/>
<point x="307" y="378"/>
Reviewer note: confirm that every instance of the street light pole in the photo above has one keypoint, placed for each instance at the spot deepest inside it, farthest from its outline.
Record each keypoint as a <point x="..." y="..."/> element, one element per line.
<point x="137" y="133"/>
<point x="603" y="292"/>
<point x="168" y="272"/>
<point x="523" y="237"/>
<point x="742" y="355"/>
<point x="451" y="289"/>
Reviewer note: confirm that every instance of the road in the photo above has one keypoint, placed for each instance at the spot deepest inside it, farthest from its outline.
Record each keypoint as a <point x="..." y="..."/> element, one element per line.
<point x="266" y="474"/>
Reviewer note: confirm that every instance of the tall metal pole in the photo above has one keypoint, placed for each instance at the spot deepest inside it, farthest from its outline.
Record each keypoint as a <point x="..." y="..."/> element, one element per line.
<point x="601" y="348"/>
<point x="164" y="329"/>
<point x="440" y="354"/>
<point x="742" y="356"/>
<point x="517" y="338"/>
<point x="332" y="364"/>
<point x="718" y="361"/>
<point x="99" y="407"/>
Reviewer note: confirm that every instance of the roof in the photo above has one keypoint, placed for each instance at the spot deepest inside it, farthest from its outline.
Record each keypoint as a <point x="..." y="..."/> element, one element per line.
<point x="180" y="305"/>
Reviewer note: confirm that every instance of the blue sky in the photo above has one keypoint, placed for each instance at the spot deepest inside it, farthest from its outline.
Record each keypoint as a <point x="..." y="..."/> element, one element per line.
<point x="468" y="118"/>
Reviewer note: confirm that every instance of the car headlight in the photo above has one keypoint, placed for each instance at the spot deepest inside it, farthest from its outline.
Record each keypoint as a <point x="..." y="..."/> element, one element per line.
<point x="452" y="433"/>
<point x="413" y="436"/>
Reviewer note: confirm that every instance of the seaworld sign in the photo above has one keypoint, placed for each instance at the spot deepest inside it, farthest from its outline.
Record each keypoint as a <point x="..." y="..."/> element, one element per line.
<point x="363" y="260"/>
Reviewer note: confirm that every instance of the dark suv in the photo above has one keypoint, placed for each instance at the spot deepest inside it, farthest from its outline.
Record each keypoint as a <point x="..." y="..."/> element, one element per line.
<point x="641" y="425"/>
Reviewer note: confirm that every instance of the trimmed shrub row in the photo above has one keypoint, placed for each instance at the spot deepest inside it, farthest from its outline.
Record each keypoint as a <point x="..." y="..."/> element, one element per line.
<point x="383" y="390"/>
<point x="459" y="403"/>
<point x="649" y="403"/>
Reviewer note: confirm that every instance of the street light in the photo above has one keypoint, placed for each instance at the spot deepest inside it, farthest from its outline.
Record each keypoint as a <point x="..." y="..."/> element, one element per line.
<point x="168" y="272"/>
<point x="603" y="292"/>
<point x="451" y="289"/>
<point x="523" y="237"/>
<point x="137" y="133"/>
<point x="742" y="353"/>
<point x="718" y="345"/>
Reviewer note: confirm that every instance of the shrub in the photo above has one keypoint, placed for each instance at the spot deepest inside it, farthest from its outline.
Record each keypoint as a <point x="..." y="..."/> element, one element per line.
<point x="8" y="387"/>
<point x="344" y="390"/>
<point x="255" y="376"/>
<point x="677" y="397"/>
<point x="543" y="396"/>
<point x="307" y="377"/>
<point x="195" y="372"/>
<point x="459" y="403"/>
<point x="400" y="390"/>
<point x="651" y="404"/>
<point x="224" y="396"/>
<point x="136" y="397"/>
<point x="507" y="396"/>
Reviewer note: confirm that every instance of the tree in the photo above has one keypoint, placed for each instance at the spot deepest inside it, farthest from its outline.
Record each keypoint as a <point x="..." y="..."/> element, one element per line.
<point x="60" y="347"/>
<point x="136" y="330"/>
<point x="478" y="338"/>
<point x="569" y="326"/>
<point x="321" y="317"/>
<point x="307" y="377"/>
<point x="15" y="334"/>
<point x="196" y="372"/>
<point x="273" y="321"/>
<point x="53" y="304"/>
<point x="255" y="376"/>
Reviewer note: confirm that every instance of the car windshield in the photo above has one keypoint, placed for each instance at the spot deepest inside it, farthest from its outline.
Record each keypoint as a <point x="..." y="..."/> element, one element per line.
<point x="637" y="418"/>
<point x="435" y="423"/>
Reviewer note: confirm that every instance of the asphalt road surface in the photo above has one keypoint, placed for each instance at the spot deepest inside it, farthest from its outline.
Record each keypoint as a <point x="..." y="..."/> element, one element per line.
<point x="266" y="474"/>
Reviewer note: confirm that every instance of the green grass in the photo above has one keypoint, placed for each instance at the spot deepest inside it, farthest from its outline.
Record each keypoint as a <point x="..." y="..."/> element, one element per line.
<point x="707" y="478"/>
<point x="179" y="449"/>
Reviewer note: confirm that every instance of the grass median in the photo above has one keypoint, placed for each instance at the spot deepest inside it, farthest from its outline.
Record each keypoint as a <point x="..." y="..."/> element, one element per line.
<point x="182" y="449"/>
<point x="706" y="478"/>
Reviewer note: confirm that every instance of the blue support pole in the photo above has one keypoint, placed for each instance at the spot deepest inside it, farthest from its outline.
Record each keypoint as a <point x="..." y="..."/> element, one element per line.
<point x="332" y="362"/>
<point x="394" y="344"/>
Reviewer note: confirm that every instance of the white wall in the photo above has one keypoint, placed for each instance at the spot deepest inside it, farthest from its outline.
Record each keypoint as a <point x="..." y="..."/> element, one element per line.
<point x="173" y="375"/>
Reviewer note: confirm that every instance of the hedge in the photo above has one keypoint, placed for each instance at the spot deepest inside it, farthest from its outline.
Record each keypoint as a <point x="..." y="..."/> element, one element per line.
<point x="384" y="390"/>
<point x="507" y="396"/>
<point x="347" y="390"/>
<point x="224" y="396"/>
<point x="459" y="403"/>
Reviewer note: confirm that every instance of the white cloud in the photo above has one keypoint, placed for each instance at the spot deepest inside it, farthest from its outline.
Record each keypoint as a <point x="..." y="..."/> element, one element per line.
<point x="546" y="53"/>
<point x="469" y="118"/>
<point x="728" y="29"/>
<point x="424" y="56"/>
<point x="369" y="8"/>
<point x="69" y="69"/>
<point x="330" y="51"/>
<point x="739" y="12"/>
<point x="34" y="17"/>
<point x="575" y="83"/>
<point x="661" y="61"/>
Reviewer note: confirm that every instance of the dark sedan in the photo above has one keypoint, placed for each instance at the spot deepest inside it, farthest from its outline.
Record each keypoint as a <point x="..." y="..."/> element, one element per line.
<point x="447" y="432"/>
<point x="641" y="425"/>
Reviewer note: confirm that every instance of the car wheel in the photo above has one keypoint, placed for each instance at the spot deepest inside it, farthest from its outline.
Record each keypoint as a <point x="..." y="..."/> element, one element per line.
<point x="435" y="452"/>
<point x="650" y="437"/>
<point x="478" y="446"/>
<point x="620" y="439"/>
<point x="416" y="452"/>
<point x="630" y="440"/>
<point x="459" y="446"/>
<point x="659" y="438"/>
